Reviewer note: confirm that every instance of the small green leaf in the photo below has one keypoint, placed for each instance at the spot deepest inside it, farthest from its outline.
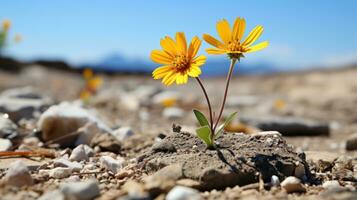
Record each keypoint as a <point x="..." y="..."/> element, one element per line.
<point x="202" y="120"/>
<point x="222" y="126"/>
<point x="204" y="133"/>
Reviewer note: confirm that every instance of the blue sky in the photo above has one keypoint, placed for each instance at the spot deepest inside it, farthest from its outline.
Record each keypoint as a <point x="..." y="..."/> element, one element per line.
<point x="301" y="33"/>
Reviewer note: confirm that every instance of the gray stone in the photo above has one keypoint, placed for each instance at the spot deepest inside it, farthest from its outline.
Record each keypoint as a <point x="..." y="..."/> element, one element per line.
<point x="289" y="126"/>
<point x="183" y="193"/>
<point x="351" y="143"/>
<point x="292" y="184"/>
<point x="7" y="127"/>
<point x="5" y="144"/>
<point x="60" y="172"/>
<point x="123" y="133"/>
<point x="111" y="164"/>
<point x="74" y="166"/>
<point x="18" y="175"/>
<point x="79" y="154"/>
<point x="85" y="190"/>
<point x="333" y="186"/>
<point x="274" y="181"/>
<point x="22" y="103"/>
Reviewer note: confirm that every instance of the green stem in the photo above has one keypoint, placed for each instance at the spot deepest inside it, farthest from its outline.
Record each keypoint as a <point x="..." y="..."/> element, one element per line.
<point x="231" y="67"/>
<point x="208" y="102"/>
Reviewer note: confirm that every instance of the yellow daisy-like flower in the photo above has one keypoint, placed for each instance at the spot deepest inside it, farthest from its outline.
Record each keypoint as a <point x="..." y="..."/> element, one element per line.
<point x="232" y="43"/>
<point x="6" y="24"/>
<point x="179" y="62"/>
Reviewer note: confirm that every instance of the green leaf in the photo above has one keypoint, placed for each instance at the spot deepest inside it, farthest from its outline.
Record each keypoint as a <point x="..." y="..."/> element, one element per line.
<point x="204" y="133"/>
<point x="222" y="126"/>
<point x="202" y="120"/>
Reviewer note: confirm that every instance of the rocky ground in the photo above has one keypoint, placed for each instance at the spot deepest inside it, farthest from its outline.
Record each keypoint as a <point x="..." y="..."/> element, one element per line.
<point x="295" y="138"/>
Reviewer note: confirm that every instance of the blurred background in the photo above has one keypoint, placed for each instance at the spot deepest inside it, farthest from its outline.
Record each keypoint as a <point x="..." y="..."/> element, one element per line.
<point x="118" y="36"/>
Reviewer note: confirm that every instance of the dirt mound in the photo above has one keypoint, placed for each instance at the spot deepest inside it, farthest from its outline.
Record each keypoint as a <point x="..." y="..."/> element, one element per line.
<point x="239" y="159"/>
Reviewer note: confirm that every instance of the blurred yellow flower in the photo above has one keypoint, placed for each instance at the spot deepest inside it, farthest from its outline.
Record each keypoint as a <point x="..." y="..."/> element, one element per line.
<point x="18" y="38"/>
<point x="87" y="74"/>
<point x="6" y="24"/>
<point x="179" y="62"/>
<point x="169" y="102"/>
<point x="232" y="43"/>
<point x="279" y="104"/>
<point x="93" y="83"/>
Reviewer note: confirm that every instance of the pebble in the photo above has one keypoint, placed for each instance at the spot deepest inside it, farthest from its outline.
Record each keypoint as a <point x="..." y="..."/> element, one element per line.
<point x="18" y="175"/>
<point x="32" y="141"/>
<point x="111" y="164"/>
<point x="183" y="193"/>
<point x="5" y="144"/>
<point x="173" y="112"/>
<point x="74" y="166"/>
<point x="123" y="133"/>
<point x="274" y="181"/>
<point x="332" y="185"/>
<point x="292" y="184"/>
<point x="60" y="172"/>
<point x="79" y="154"/>
<point x="85" y="190"/>
<point x="129" y="102"/>
<point x="351" y="143"/>
<point x="7" y="127"/>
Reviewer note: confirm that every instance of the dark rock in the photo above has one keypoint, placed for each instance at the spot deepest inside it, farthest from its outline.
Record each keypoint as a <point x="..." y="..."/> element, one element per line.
<point x="106" y="142"/>
<point x="288" y="126"/>
<point x="351" y="143"/>
<point x="163" y="146"/>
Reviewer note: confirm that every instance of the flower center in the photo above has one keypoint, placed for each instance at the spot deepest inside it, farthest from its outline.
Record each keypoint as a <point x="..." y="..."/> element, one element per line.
<point x="235" y="46"/>
<point x="180" y="62"/>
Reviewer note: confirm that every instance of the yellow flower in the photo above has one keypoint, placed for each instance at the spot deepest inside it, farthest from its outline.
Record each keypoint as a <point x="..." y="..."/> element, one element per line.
<point x="87" y="74"/>
<point x="6" y="24"/>
<point x="179" y="62"/>
<point x="232" y="43"/>
<point x="18" y="38"/>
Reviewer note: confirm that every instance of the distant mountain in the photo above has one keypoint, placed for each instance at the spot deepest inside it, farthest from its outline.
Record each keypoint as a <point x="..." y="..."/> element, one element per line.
<point x="213" y="67"/>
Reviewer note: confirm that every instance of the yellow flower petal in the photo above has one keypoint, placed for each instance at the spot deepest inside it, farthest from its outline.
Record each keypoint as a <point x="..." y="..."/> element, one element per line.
<point x="181" y="42"/>
<point x="168" y="44"/>
<point x="213" y="41"/>
<point x="160" y="72"/>
<point x="224" y="31"/>
<point x="194" y="47"/>
<point x="194" y="71"/>
<point x="238" y="29"/>
<point x="181" y="79"/>
<point x="258" y="47"/>
<point x="161" y="57"/>
<point x="253" y="36"/>
<point x="200" y="60"/>
<point x="215" y="51"/>
<point x="169" y="78"/>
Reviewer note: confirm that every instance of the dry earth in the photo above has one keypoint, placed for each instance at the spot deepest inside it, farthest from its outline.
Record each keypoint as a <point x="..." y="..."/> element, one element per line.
<point x="143" y="158"/>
